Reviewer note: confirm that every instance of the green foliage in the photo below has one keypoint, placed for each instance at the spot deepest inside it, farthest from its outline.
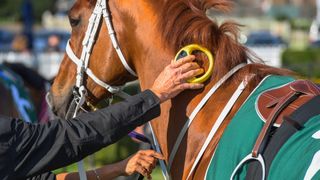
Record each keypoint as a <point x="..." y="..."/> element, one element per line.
<point x="11" y="9"/>
<point x="111" y="154"/>
<point x="283" y="12"/>
<point x="282" y="17"/>
<point x="305" y="62"/>
<point x="116" y="152"/>
<point x="300" y="24"/>
<point x="40" y="6"/>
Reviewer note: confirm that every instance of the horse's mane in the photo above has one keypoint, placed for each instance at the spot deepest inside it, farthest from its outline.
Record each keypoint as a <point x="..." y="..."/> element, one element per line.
<point x="185" y="21"/>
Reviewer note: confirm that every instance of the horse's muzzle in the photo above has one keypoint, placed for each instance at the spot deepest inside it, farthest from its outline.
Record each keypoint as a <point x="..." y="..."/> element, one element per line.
<point x="59" y="104"/>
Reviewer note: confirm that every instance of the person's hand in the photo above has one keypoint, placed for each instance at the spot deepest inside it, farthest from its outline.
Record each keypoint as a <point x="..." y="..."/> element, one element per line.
<point x="173" y="79"/>
<point x="143" y="162"/>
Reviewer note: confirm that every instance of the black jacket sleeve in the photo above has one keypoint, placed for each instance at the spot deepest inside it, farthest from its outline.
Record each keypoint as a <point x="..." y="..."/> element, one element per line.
<point x="30" y="149"/>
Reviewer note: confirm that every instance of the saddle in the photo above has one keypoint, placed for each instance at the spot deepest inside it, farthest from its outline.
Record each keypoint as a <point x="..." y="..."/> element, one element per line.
<point x="273" y="105"/>
<point x="289" y="108"/>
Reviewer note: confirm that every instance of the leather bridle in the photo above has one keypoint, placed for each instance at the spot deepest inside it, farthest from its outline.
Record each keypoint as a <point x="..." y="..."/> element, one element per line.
<point x="80" y="91"/>
<point x="100" y="10"/>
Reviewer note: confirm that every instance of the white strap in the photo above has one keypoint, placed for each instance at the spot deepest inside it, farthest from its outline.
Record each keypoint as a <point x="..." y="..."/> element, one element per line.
<point x="197" y="109"/>
<point x="157" y="148"/>
<point x="77" y="61"/>
<point x="82" y="91"/>
<point x="71" y="55"/>
<point x="88" y="42"/>
<point x="82" y="171"/>
<point x="218" y="123"/>
<point x="113" y="38"/>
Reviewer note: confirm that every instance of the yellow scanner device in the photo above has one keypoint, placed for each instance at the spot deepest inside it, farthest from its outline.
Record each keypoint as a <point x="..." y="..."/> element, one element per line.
<point x="187" y="50"/>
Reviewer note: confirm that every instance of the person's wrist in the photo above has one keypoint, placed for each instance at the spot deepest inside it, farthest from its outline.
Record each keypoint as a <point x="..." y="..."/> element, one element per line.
<point x="162" y="97"/>
<point x="122" y="167"/>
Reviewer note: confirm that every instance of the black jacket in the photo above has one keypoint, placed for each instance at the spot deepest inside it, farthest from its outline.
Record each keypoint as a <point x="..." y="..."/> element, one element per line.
<point x="29" y="150"/>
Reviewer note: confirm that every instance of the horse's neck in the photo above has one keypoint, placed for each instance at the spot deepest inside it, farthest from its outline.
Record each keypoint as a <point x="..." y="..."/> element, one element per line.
<point x="174" y="114"/>
<point x="150" y="59"/>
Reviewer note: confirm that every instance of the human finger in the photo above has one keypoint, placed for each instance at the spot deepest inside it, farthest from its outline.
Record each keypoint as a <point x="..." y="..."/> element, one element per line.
<point x="188" y="66"/>
<point x="153" y="154"/>
<point x="149" y="159"/>
<point x="149" y="162"/>
<point x="147" y="165"/>
<point x="158" y="155"/>
<point x="191" y="74"/>
<point x="182" y="61"/>
<point x="139" y="169"/>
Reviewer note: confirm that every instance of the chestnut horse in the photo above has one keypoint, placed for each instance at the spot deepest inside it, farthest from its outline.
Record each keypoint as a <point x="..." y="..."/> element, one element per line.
<point x="149" y="33"/>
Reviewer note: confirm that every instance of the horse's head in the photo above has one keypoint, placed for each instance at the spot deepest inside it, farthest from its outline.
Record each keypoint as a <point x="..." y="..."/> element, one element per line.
<point x="103" y="60"/>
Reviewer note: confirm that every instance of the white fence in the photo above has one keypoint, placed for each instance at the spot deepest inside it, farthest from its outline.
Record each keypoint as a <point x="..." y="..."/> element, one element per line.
<point x="47" y="64"/>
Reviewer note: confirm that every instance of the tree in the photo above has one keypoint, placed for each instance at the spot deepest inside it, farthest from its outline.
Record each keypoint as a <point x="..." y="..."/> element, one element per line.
<point x="11" y="9"/>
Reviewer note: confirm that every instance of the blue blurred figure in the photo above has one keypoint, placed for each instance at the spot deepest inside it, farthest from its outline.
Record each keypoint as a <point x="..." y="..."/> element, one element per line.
<point x="28" y="20"/>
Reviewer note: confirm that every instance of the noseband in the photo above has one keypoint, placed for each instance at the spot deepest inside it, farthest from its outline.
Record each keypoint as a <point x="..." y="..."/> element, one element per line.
<point x="80" y="92"/>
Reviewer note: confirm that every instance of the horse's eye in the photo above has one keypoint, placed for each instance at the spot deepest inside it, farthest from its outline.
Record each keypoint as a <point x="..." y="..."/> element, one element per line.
<point x="74" y="21"/>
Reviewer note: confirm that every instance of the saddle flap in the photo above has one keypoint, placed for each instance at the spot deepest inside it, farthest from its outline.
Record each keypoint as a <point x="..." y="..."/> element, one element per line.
<point x="268" y="100"/>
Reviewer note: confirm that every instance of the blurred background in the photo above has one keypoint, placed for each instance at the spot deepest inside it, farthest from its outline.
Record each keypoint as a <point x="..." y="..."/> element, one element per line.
<point x="284" y="33"/>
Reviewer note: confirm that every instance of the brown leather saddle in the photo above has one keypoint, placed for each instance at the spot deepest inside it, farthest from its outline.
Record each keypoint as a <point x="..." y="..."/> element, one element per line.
<point x="275" y="104"/>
